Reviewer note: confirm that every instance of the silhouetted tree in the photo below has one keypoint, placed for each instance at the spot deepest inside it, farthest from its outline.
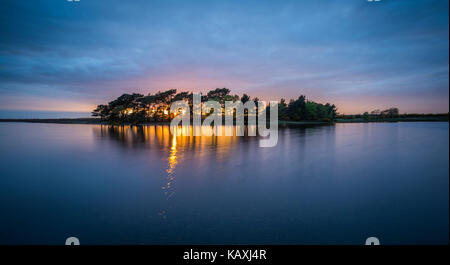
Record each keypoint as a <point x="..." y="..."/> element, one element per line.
<point x="136" y="108"/>
<point x="245" y="98"/>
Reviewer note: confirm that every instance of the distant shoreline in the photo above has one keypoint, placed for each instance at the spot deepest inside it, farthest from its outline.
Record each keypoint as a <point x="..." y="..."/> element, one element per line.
<point x="431" y="118"/>
<point x="59" y="121"/>
<point x="352" y="120"/>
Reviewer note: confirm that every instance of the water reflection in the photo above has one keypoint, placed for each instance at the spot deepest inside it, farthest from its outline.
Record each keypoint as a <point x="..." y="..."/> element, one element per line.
<point x="168" y="188"/>
<point x="158" y="138"/>
<point x="319" y="185"/>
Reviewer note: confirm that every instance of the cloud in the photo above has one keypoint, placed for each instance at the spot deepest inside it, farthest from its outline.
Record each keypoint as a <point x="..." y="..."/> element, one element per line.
<point x="328" y="50"/>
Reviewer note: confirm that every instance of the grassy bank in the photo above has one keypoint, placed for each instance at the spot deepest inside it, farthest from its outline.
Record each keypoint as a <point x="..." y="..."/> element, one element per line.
<point x="429" y="118"/>
<point x="97" y="121"/>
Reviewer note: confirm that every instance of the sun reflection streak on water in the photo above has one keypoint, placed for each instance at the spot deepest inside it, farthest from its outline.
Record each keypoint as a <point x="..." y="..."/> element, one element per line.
<point x="171" y="167"/>
<point x="171" y="150"/>
<point x="170" y="178"/>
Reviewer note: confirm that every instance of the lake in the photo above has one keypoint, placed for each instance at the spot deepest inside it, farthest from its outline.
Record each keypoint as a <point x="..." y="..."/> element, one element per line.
<point x="337" y="184"/>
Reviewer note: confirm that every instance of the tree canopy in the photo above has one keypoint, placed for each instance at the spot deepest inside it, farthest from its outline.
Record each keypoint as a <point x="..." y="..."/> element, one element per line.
<point x="137" y="108"/>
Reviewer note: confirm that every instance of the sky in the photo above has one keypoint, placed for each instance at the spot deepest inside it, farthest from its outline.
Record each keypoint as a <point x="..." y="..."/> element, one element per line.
<point x="63" y="56"/>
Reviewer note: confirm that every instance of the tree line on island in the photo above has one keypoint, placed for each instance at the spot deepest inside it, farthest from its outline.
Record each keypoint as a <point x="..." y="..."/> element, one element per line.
<point x="389" y="115"/>
<point x="137" y="108"/>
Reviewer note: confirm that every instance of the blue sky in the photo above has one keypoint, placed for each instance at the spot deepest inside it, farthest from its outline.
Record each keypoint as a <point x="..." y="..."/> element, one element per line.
<point x="70" y="56"/>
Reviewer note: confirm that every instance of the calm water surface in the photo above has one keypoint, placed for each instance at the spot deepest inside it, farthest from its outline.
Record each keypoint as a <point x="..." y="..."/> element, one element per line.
<point x="320" y="185"/>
